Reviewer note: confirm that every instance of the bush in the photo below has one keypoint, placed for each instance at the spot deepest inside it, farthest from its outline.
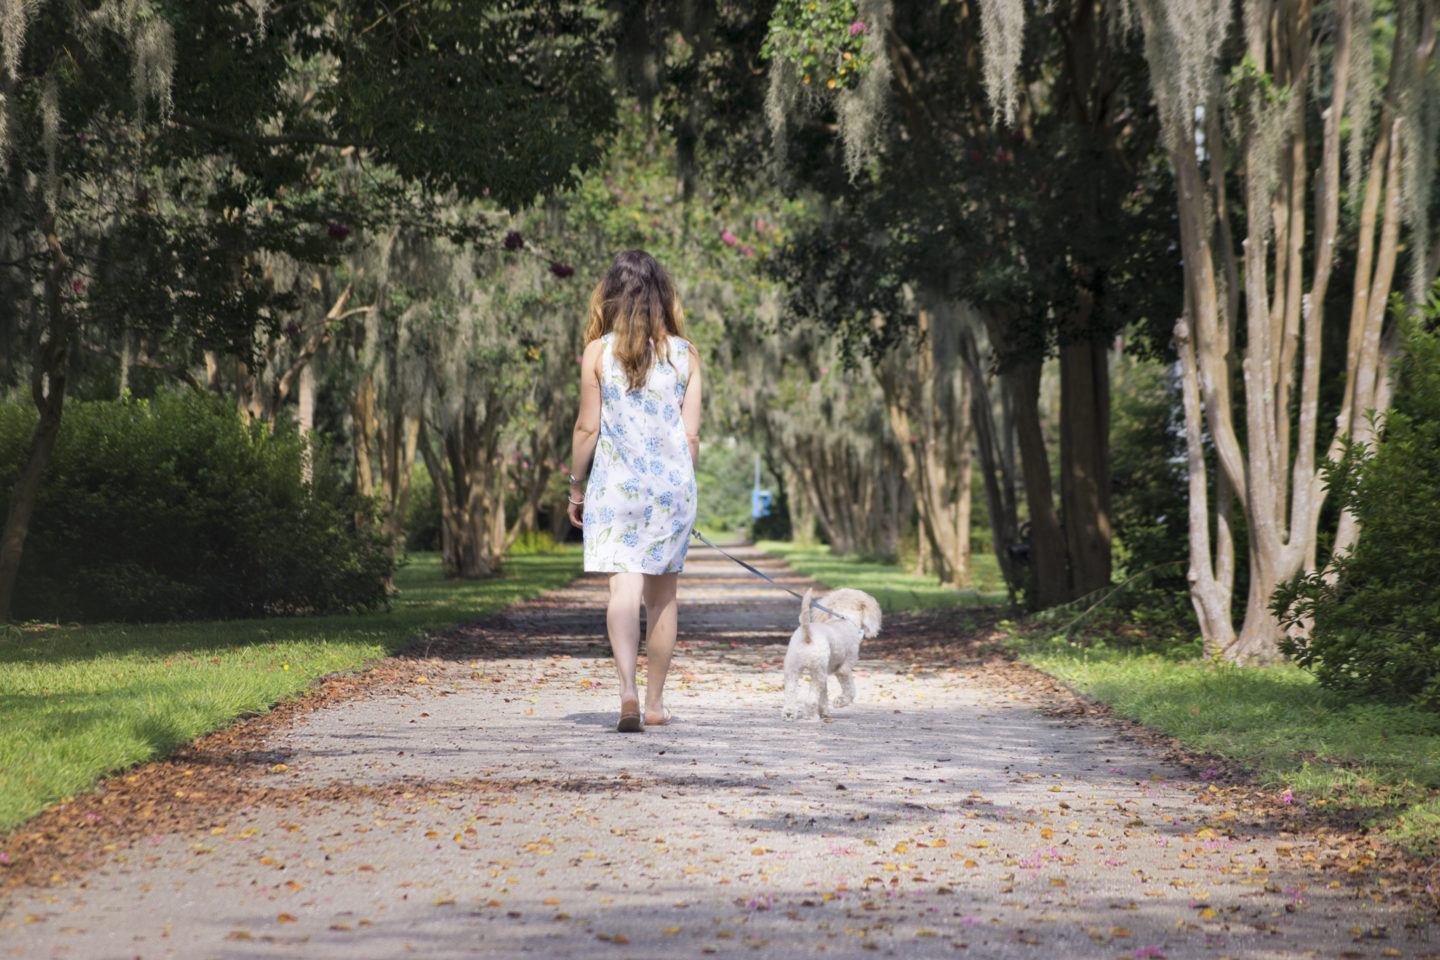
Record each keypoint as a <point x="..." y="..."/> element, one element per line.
<point x="178" y="508"/>
<point x="1374" y="614"/>
<point x="1149" y="506"/>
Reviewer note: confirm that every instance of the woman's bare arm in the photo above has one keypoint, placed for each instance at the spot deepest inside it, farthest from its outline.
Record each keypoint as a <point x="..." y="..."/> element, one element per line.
<point x="690" y="408"/>
<point x="587" y="426"/>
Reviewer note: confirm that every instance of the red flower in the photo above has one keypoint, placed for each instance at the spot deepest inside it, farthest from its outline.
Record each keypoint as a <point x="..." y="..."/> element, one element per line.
<point x="561" y="270"/>
<point x="338" y="231"/>
<point x="513" y="240"/>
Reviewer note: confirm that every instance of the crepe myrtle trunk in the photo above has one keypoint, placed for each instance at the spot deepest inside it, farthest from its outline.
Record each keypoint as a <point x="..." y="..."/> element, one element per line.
<point x="1267" y="450"/>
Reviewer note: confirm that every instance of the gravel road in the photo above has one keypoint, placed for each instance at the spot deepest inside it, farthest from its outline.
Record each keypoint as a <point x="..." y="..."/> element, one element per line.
<point x="484" y="806"/>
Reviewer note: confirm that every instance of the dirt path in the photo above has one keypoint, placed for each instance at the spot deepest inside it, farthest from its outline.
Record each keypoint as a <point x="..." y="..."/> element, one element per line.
<point x="476" y="801"/>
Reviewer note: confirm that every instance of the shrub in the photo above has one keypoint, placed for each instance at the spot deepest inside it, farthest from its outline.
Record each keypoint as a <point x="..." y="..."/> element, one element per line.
<point x="1149" y="506"/>
<point x="1374" y="614"/>
<point x="179" y="508"/>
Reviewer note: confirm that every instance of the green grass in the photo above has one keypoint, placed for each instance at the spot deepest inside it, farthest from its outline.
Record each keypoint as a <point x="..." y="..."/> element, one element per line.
<point x="1375" y="762"/>
<point x="78" y="702"/>
<point x="894" y="588"/>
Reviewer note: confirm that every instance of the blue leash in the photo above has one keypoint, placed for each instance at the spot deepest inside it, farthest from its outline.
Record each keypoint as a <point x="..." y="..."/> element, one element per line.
<point x="766" y="578"/>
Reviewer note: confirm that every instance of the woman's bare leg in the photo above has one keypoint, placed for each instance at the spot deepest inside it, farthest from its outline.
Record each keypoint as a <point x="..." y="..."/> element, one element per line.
<point x="622" y="620"/>
<point x="660" y="626"/>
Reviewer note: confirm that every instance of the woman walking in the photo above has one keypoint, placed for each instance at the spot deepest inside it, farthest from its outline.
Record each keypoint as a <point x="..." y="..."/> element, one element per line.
<point x="632" y="481"/>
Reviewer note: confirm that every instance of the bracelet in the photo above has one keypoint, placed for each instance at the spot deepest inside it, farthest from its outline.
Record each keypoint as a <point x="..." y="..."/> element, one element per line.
<point x="574" y="501"/>
<point x="576" y="481"/>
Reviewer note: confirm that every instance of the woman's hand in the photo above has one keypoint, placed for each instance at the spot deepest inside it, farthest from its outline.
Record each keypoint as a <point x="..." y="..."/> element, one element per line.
<point x="576" y="496"/>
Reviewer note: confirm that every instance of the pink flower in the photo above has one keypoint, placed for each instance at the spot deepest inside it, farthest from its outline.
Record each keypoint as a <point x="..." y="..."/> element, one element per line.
<point x="857" y="27"/>
<point x="77" y="284"/>
<point x="747" y="251"/>
<point x="729" y="238"/>
<point x="1287" y="797"/>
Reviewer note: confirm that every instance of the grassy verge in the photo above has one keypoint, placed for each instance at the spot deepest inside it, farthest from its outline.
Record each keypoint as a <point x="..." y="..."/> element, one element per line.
<point x="894" y="588"/>
<point x="1376" y="763"/>
<point x="79" y="702"/>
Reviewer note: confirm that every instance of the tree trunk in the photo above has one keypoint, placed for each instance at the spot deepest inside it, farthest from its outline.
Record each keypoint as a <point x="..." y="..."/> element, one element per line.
<point x="1048" y="580"/>
<point x="925" y="399"/>
<point x="995" y="466"/>
<point x="127" y="356"/>
<point x="1209" y="595"/>
<point x="47" y="389"/>
<point x="361" y="404"/>
<point x="305" y="418"/>
<point x="467" y="478"/>
<point x="802" y="514"/>
<point x="1273" y="477"/>
<point x="397" y="438"/>
<point x="1085" y="463"/>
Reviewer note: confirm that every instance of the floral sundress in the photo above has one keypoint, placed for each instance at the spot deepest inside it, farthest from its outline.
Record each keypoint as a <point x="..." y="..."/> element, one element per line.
<point x="640" y="500"/>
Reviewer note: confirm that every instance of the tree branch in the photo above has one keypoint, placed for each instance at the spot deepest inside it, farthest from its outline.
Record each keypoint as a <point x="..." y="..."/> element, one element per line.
<point x="149" y="363"/>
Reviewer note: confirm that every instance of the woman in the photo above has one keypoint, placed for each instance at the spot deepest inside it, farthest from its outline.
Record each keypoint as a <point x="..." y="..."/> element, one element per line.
<point x="632" y="485"/>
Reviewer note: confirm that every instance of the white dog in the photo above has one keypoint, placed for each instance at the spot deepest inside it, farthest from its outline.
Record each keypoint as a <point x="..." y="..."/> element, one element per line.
<point x="824" y="644"/>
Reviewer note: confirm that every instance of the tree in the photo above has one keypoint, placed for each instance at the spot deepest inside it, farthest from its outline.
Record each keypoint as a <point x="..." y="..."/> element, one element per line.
<point x="228" y="108"/>
<point x="1366" y="623"/>
<point x="1245" y="79"/>
<point x="1034" y="222"/>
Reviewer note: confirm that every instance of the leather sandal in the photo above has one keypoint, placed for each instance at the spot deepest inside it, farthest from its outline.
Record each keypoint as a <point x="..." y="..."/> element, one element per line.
<point x="630" y="721"/>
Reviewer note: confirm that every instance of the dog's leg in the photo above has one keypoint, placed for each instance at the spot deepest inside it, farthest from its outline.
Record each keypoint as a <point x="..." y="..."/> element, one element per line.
<point x="822" y="694"/>
<point x="807" y="708"/>
<point x="846" y="675"/>
<point x="792" y="679"/>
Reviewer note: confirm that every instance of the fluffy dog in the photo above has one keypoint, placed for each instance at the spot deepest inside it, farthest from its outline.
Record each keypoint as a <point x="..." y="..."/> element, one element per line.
<point x="820" y="647"/>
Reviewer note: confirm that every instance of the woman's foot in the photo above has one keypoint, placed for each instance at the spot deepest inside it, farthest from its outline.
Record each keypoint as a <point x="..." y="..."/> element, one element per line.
<point x="629" y="717"/>
<point x="658" y="718"/>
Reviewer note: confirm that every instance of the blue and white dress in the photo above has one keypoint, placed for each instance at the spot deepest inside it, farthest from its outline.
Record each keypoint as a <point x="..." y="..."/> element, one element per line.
<point x="640" y="500"/>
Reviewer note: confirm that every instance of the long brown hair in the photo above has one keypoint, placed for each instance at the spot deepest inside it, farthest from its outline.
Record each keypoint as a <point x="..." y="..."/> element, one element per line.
<point x="636" y="300"/>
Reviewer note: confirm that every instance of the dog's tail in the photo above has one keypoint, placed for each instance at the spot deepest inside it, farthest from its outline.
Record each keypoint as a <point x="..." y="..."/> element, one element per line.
<point x="805" y="613"/>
